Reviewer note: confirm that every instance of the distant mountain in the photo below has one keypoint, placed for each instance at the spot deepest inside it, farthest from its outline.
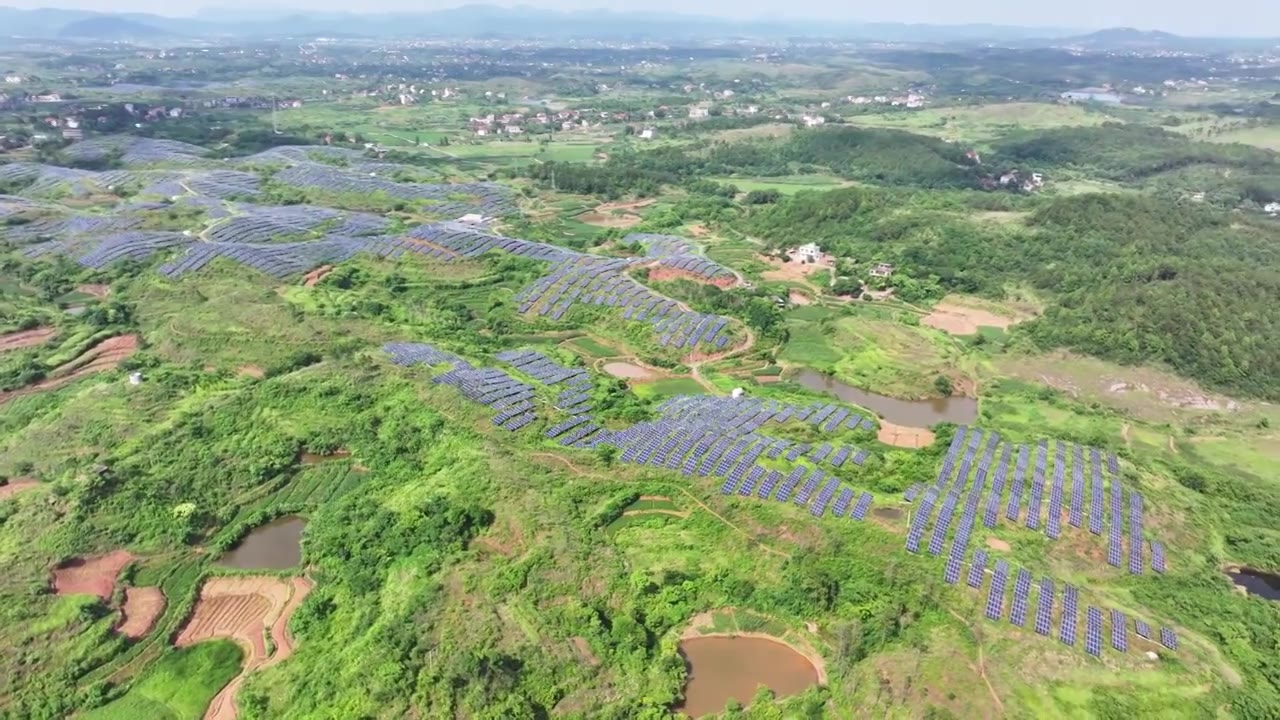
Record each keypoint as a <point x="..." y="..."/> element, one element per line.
<point x="488" y="21"/>
<point x="110" y="27"/>
<point x="528" y="22"/>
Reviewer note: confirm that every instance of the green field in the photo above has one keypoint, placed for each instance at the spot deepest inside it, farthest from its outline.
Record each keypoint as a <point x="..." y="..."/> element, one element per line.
<point x="179" y="686"/>
<point x="668" y="387"/>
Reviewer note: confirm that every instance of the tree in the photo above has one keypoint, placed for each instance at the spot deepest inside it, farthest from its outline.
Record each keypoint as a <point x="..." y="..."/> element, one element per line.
<point x="607" y="454"/>
<point x="943" y="385"/>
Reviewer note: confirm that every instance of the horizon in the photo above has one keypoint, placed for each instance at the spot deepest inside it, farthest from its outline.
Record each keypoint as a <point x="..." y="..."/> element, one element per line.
<point x="1232" y="18"/>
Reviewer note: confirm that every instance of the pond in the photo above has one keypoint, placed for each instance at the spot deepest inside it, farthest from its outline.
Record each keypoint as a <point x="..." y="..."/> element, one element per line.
<point x="912" y="413"/>
<point x="1262" y="584"/>
<point x="274" y="546"/>
<point x="721" y="668"/>
<point x="627" y="371"/>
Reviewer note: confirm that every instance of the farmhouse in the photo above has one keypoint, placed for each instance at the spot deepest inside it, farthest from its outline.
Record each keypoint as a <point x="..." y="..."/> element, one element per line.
<point x="882" y="270"/>
<point x="809" y="252"/>
<point x="649" y="133"/>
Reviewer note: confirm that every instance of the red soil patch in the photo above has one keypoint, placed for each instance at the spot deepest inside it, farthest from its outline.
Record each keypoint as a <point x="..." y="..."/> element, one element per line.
<point x="317" y="275"/>
<point x="624" y="220"/>
<point x="25" y="338"/>
<point x="90" y="576"/>
<point x="662" y="273"/>
<point x="241" y="609"/>
<point x="97" y="290"/>
<point x="142" y="606"/>
<point x="793" y="270"/>
<point x="15" y="486"/>
<point x="106" y="355"/>
<point x="903" y="436"/>
<point x="998" y="544"/>
<point x="699" y="230"/>
<point x="961" y="320"/>
<point x="799" y="298"/>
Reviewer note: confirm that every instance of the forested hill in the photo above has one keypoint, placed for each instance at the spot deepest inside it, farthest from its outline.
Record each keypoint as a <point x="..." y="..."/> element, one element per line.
<point x="883" y="157"/>
<point x="1130" y="278"/>
<point x="1143" y="280"/>
<point x="1130" y="153"/>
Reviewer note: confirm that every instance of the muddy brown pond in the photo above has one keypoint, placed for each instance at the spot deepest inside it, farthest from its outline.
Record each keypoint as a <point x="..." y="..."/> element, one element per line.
<point x="911" y="413"/>
<point x="724" y="668"/>
<point x="274" y="546"/>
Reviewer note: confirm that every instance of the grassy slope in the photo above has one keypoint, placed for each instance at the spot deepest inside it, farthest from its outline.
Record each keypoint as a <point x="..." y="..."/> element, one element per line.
<point x="178" y="687"/>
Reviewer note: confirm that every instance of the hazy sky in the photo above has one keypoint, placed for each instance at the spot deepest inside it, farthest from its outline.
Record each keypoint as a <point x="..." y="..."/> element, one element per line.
<point x="1222" y="17"/>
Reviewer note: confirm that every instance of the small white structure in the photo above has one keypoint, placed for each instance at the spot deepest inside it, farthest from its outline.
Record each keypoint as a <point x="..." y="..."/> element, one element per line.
<point x="648" y="133"/>
<point x="135" y="378"/>
<point x="1272" y="208"/>
<point x="882" y="270"/>
<point x="473" y="219"/>
<point x="737" y="393"/>
<point x="809" y="252"/>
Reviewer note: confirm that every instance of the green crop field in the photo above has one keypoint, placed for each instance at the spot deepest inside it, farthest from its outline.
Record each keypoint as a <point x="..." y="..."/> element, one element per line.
<point x="179" y="687"/>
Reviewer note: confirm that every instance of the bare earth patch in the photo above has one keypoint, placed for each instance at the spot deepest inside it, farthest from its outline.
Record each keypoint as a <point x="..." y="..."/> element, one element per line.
<point x="610" y="220"/>
<point x="315" y="276"/>
<point x="798" y="298"/>
<point x="252" y="371"/>
<point x="97" y="290"/>
<point x="94" y="575"/>
<point x="106" y="355"/>
<point x="792" y="271"/>
<point x="998" y="544"/>
<point x="957" y="319"/>
<point x="903" y="436"/>
<point x="583" y="650"/>
<point x="243" y="610"/>
<point x="25" y="338"/>
<point x="15" y="486"/>
<point x="142" y="606"/>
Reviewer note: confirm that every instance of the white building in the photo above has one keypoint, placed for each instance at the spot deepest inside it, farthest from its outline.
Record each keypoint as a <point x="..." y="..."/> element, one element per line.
<point x="814" y="120"/>
<point x="648" y="133"/>
<point x="809" y="253"/>
<point x="699" y="112"/>
<point x="1272" y="208"/>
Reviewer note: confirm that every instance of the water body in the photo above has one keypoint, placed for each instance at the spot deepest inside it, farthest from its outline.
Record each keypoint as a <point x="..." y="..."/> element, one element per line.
<point x="274" y="546"/>
<point x="1265" y="585"/>
<point x="627" y="371"/>
<point x="911" y="413"/>
<point x="721" y="668"/>
<point x="887" y="513"/>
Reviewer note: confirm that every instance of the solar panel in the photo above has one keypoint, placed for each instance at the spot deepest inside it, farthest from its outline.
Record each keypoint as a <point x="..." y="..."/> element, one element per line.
<point x="1168" y="638"/>
<point x="1021" y="597"/>
<point x="860" y="510"/>
<point x="1070" y="615"/>
<point x="976" y="568"/>
<point x="1093" y="631"/>
<point x="1142" y="629"/>
<point x="995" y="593"/>
<point x="1119" y="631"/>
<point x="1157" y="556"/>
<point x="1044" y="608"/>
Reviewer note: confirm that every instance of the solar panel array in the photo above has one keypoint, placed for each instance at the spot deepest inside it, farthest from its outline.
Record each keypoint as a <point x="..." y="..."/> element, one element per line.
<point x="1119" y="631"/>
<point x="995" y="593"/>
<point x="510" y="399"/>
<point x="1070" y="615"/>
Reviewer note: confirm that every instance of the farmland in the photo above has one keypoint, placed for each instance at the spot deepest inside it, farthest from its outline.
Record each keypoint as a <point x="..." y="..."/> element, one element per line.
<point x="540" y="408"/>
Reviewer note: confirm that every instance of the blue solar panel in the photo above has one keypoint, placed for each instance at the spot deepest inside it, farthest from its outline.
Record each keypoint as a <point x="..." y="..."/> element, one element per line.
<point x="1168" y="638"/>
<point x="976" y="569"/>
<point x="860" y="510"/>
<point x="1021" y="598"/>
<point x="1070" y="615"/>
<point x="995" y="593"/>
<point x="1119" y="631"/>
<point x="1093" y="631"/>
<point x="1142" y="629"/>
<point x="1044" y="607"/>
